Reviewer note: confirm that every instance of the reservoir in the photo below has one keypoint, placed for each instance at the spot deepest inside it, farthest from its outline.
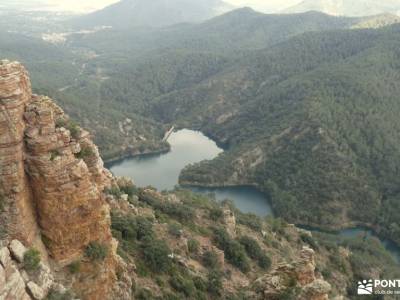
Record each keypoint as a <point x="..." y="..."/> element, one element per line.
<point x="188" y="147"/>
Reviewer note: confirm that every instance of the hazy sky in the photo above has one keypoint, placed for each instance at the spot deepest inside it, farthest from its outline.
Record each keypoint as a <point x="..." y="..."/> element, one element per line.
<point x="88" y="5"/>
<point x="265" y="5"/>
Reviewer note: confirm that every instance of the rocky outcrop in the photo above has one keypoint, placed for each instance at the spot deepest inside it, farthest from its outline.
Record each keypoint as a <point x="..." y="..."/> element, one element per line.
<point x="51" y="183"/>
<point x="230" y="222"/>
<point x="18" y="284"/>
<point x="18" y="218"/>
<point x="297" y="280"/>
<point x="70" y="205"/>
<point x="12" y="285"/>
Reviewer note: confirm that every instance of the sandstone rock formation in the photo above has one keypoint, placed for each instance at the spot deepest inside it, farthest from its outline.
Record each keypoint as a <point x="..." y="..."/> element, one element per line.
<point x="16" y="283"/>
<point x="51" y="183"/>
<point x="297" y="279"/>
<point x="230" y="222"/>
<point x="18" y="219"/>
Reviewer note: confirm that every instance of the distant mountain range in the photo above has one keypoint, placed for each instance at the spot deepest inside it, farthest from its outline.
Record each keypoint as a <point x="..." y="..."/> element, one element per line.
<point x="348" y="8"/>
<point x="155" y="13"/>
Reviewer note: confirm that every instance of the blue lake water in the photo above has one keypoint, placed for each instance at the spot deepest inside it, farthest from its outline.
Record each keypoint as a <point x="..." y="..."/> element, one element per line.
<point x="187" y="147"/>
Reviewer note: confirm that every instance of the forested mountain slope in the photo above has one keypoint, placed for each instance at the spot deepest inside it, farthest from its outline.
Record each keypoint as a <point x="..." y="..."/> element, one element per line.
<point x="311" y="121"/>
<point x="118" y="72"/>
<point x="239" y="30"/>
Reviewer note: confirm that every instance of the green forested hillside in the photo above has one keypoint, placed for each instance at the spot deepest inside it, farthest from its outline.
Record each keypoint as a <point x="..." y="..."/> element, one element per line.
<point x="120" y="72"/>
<point x="234" y="32"/>
<point x="316" y="129"/>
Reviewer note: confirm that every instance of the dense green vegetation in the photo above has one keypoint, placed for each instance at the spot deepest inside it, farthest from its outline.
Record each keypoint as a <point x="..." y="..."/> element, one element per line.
<point x="103" y="79"/>
<point x="96" y="251"/>
<point x="150" y="240"/>
<point x="314" y="121"/>
<point x="31" y="260"/>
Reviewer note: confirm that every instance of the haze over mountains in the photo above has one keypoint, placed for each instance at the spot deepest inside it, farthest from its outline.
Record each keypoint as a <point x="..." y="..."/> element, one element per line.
<point x="155" y="13"/>
<point x="348" y="8"/>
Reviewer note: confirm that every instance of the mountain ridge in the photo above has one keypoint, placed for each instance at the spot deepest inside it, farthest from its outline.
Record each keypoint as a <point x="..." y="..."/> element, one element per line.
<point x="355" y="8"/>
<point x="158" y="13"/>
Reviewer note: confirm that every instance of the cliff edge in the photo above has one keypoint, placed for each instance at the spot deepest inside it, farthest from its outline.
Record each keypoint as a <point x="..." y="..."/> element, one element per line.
<point x="51" y="185"/>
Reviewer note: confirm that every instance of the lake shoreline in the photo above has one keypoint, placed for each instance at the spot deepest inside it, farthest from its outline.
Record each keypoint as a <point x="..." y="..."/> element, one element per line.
<point x="110" y="162"/>
<point x="163" y="169"/>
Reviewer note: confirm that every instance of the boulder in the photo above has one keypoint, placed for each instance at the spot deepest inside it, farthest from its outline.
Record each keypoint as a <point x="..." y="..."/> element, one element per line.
<point x="316" y="290"/>
<point x="17" y="250"/>
<point x="5" y="258"/>
<point x="2" y="277"/>
<point x="230" y="222"/>
<point x="35" y="291"/>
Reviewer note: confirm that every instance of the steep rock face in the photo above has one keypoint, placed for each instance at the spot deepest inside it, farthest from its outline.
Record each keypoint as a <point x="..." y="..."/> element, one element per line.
<point x="18" y="220"/>
<point x="69" y="202"/>
<point x="297" y="278"/>
<point x="51" y="183"/>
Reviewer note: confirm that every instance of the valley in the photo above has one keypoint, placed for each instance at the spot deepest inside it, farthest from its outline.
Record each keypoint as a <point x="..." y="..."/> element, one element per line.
<point x="226" y="128"/>
<point x="162" y="171"/>
<point x="199" y="77"/>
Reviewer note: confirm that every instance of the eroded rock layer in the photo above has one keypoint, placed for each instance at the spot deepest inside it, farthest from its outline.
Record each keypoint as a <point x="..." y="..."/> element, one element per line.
<point x="18" y="219"/>
<point x="51" y="181"/>
<point x="69" y="202"/>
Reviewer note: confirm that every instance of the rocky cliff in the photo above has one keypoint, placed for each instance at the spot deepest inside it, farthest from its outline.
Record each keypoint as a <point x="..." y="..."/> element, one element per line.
<point x="51" y="185"/>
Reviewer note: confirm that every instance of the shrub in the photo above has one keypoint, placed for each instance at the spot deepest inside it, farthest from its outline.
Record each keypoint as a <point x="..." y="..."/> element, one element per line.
<point x="183" y="285"/>
<point x="175" y="229"/>
<point x="182" y="212"/>
<point x="56" y="295"/>
<point x="130" y="190"/>
<point x="74" y="267"/>
<point x="144" y="228"/>
<point x="2" y="202"/>
<point x="114" y="191"/>
<point x="200" y="283"/>
<point x="216" y="214"/>
<point x="236" y="255"/>
<point x="278" y="225"/>
<point x="125" y="225"/>
<point x="73" y="129"/>
<point x="31" y="260"/>
<point x="308" y="240"/>
<point x="144" y="294"/>
<point x="264" y="262"/>
<point x="85" y="152"/>
<point x="193" y="246"/>
<point x="221" y="237"/>
<point x="326" y="273"/>
<point x="61" y="123"/>
<point x="96" y="251"/>
<point x="234" y="251"/>
<point x="250" y="220"/>
<point x="214" y="284"/>
<point x="155" y="254"/>
<point x="210" y="260"/>
<point x="54" y="154"/>
<point x="251" y="246"/>
<point x="255" y="252"/>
